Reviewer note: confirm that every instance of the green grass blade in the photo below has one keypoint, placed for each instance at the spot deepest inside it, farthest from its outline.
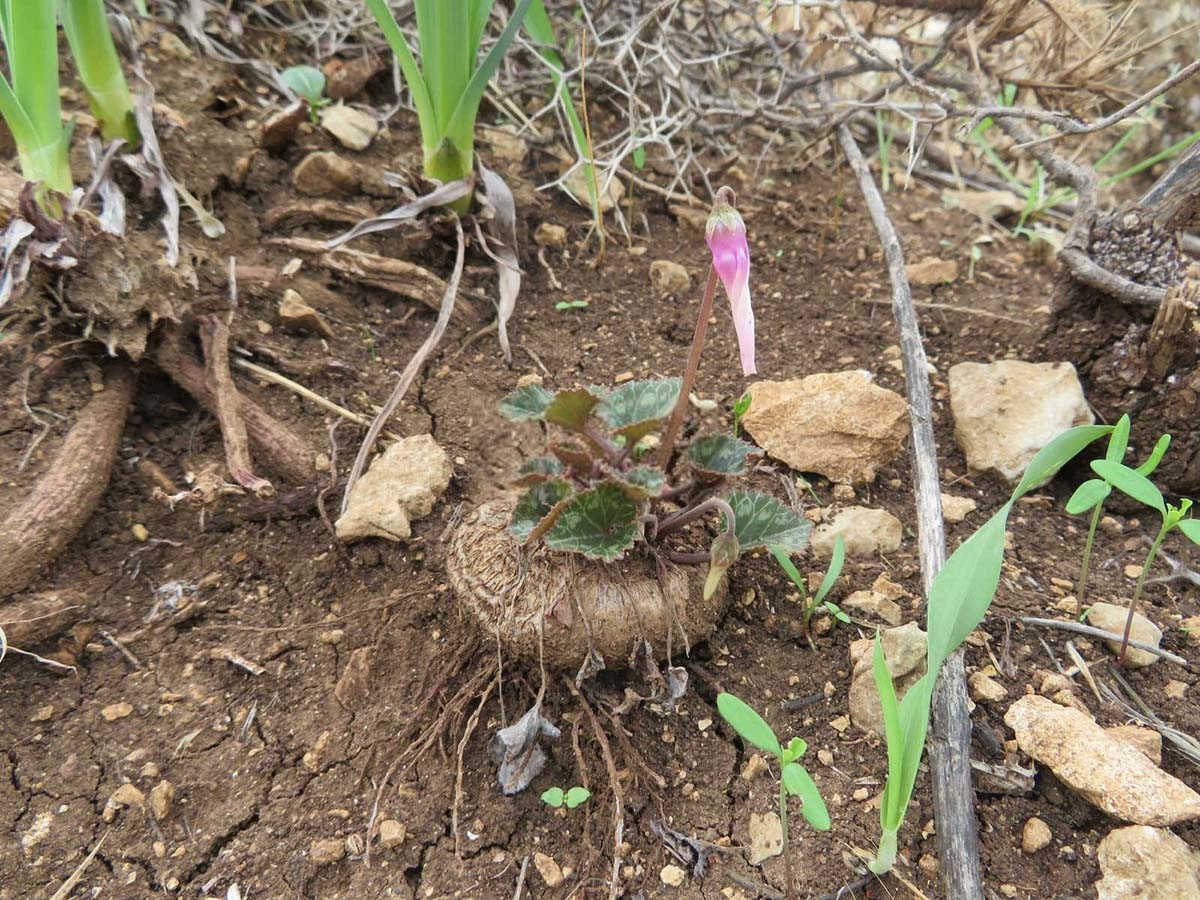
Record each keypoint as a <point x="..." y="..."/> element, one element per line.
<point x="747" y="723"/>
<point x="461" y="126"/>
<point x="834" y="571"/>
<point x="1056" y="454"/>
<point x="1154" y="160"/>
<point x="14" y="116"/>
<point x="443" y="29"/>
<point x="889" y="816"/>
<point x="430" y="134"/>
<point x="33" y="64"/>
<point x="91" y="42"/>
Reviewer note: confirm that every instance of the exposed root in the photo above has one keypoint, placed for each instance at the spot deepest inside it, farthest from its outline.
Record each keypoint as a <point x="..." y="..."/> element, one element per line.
<point x="31" y="621"/>
<point x="65" y="497"/>
<point x="279" y="447"/>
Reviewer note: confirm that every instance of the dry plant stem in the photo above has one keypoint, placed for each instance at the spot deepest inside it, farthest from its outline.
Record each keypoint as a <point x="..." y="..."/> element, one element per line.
<point x="410" y="370"/>
<point x="36" y="530"/>
<point x="689" y="374"/>
<point x="950" y="731"/>
<point x="1092" y="631"/>
<point x="214" y="337"/>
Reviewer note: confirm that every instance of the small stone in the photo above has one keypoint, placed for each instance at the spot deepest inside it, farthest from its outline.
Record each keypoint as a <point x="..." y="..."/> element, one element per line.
<point x="115" y="711"/>
<point x="149" y="770"/>
<point x="623" y="377"/>
<point x="840" y="724"/>
<point x="669" y="278"/>
<point x="865" y="532"/>
<point x="171" y="45"/>
<point x="159" y="848"/>
<point x="353" y="686"/>
<point x="161" y="797"/>
<point x="42" y="714"/>
<point x="391" y="833"/>
<point x="955" y="509"/>
<point x="1109" y="525"/>
<point x="871" y="603"/>
<point x="295" y="313"/>
<point x="1133" y="572"/>
<point x="1009" y="890"/>
<point x="928" y="864"/>
<point x="548" y="869"/>
<point x="353" y="128"/>
<point x="904" y="651"/>
<point x="1147" y="863"/>
<point x="932" y="270"/>
<point x="125" y="796"/>
<point x="263" y="327"/>
<point x="861" y="794"/>
<point x="843" y="493"/>
<point x="550" y="235"/>
<point x="1112" y="618"/>
<point x="766" y="837"/>
<point x="1035" y="835"/>
<point x="984" y="687"/>
<point x="140" y="532"/>
<point x="505" y="146"/>
<point x="279" y="128"/>
<point x="324" y="851"/>
<point x="579" y="184"/>
<point x="754" y="767"/>
<point x="324" y="173"/>
<point x="1175" y="690"/>
<point x="1191" y="627"/>
<point x="671" y="875"/>
<point x="332" y="637"/>
<point x="402" y="484"/>
<point x="825" y="757"/>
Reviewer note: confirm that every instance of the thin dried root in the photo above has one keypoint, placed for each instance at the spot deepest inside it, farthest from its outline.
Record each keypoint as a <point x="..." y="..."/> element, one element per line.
<point x="65" y="497"/>
<point x="279" y="448"/>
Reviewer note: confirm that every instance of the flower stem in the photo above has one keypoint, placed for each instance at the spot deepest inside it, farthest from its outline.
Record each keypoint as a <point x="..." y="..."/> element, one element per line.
<point x="689" y="375"/>
<point x="672" y="523"/>
<point x="1137" y="592"/>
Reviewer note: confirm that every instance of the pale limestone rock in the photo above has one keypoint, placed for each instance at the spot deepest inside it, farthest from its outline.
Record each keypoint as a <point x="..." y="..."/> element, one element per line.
<point x="162" y="795"/>
<point x="669" y="278"/>
<point x="578" y="183"/>
<point x="1110" y="774"/>
<point x="671" y="875"/>
<point x="1035" y="835"/>
<point x="955" y="509"/>
<point x="904" y="651"/>
<point x="1147" y="863"/>
<point x="984" y="687"/>
<point x="295" y="313"/>
<point x="115" y="711"/>
<point x="1006" y="411"/>
<point x="866" y="532"/>
<point x="766" y="837"/>
<point x="1111" y="618"/>
<point x="1146" y="740"/>
<point x="324" y="173"/>
<point x="324" y="851"/>
<point x="550" y="235"/>
<point x="391" y="833"/>
<point x="874" y="604"/>
<point x="402" y="484"/>
<point x="837" y="424"/>
<point x="352" y="128"/>
<point x="550" y="871"/>
<point x="125" y="796"/>
<point x="932" y="270"/>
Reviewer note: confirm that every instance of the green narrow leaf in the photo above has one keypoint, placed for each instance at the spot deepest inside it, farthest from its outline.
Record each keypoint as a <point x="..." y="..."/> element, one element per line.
<point x="1118" y="441"/>
<point x="789" y="569"/>
<point x="1191" y="529"/>
<point x="720" y="454"/>
<point x="600" y="524"/>
<point x="1056" y="454"/>
<point x="99" y="68"/>
<point x="800" y="784"/>
<point x="1088" y="496"/>
<point x="526" y="403"/>
<point x="532" y="512"/>
<point x="422" y="102"/>
<point x="636" y="408"/>
<point x="1156" y="455"/>
<point x="576" y="796"/>
<point x="553" y="797"/>
<point x="762" y="521"/>
<point x="747" y="723"/>
<point x="892" y="734"/>
<point x="837" y="560"/>
<point x="1130" y="482"/>
<point x="570" y="409"/>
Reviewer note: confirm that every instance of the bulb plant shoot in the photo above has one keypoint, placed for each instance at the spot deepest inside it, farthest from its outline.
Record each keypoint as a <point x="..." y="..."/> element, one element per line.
<point x="99" y="68"/>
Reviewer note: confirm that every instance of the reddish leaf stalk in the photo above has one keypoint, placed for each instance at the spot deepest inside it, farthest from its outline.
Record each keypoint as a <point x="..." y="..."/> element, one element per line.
<point x="689" y="374"/>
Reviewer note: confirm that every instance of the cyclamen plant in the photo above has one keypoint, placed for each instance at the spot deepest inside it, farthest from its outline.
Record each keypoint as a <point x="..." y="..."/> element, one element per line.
<point x="598" y="494"/>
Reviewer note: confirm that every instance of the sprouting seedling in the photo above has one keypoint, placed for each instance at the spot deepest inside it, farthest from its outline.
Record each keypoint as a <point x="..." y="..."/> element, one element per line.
<point x="308" y="83"/>
<point x="564" y="305"/>
<point x="556" y="797"/>
<point x="1092" y="493"/>
<point x="958" y="600"/>
<point x="639" y="157"/>
<point x="794" y="779"/>
<point x="1133" y="483"/>
<point x="740" y="408"/>
<point x="817" y="601"/>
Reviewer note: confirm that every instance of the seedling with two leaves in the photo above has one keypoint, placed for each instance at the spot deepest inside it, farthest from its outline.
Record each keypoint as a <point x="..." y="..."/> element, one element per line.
<point x="794" y="780"/>
<point x="307" y="83"/>
<point x="556" y="797"/>
<point x="817" y="600"/>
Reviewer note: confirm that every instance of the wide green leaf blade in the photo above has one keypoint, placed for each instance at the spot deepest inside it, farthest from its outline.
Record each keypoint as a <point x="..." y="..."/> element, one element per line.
<point x="636" y="408"/>
<point x="914" y="724"/>
<point x="1156" y="455"/>
<point x="1118" y="441"/>
<point x="526" y="403"/>
<point x="837" y="560"/>
<point x="600" y="524"/>
<point x="1129" y="481"/>
<point x="1056" y="454"/>
<point x="1191" y="529"/>
<point x="762" y="521"/>
<point x="535" y="506"/>
<point x="800" y="784"/>
<point x="576" y="796"/>
<point x="570" y="409"/>
<point x="747" y="723"/>
<point x="1088" y="496"/>
<point x="720" y="454"/>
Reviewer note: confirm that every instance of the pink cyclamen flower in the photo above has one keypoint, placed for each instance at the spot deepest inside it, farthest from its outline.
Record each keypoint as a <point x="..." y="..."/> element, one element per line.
<point x="726" y="236"/>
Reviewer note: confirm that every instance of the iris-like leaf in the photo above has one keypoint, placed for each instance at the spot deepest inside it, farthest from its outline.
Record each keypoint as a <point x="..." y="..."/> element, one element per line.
<point x="720" y="454"/>
<point x="635" y="409"/>
<point x="570" y="409"/>
<point x="800" y="784"/>
<point x="531" y="516"/>
<point x="762" y="521"/>
<point x="540" y="468"/>
<point x="526" y="403"/>
<point x="600" y="524"/>
<point x="749" y="725"/>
